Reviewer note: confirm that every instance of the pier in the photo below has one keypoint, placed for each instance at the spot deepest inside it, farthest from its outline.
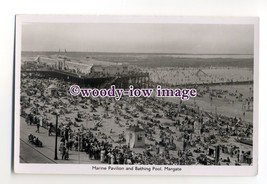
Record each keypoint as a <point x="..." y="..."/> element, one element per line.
<point x="140" y="80"/>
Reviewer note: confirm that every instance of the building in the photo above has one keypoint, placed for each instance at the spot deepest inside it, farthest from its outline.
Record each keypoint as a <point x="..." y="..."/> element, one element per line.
<point x="109" y="70"/>
<point x="97" y="70"/>
<point x="103" y="74"/>
<point x="135" y="137"/>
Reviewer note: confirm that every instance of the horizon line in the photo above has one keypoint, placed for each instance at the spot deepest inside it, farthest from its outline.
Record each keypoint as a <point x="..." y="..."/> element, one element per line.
<point x="171" y="53"/>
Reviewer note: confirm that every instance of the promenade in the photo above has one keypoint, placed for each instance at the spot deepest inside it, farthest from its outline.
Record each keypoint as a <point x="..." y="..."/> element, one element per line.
<point x="29" y="151"/>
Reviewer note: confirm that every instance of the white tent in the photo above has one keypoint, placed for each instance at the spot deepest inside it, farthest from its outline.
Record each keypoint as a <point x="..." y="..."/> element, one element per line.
<point x="135" y="137"/>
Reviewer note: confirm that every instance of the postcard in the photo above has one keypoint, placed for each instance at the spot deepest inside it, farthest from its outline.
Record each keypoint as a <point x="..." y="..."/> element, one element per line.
<point x="136" y="95"/>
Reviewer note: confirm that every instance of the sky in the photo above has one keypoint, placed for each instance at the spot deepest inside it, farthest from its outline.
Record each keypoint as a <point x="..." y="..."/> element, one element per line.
<point x="138" y="38"/>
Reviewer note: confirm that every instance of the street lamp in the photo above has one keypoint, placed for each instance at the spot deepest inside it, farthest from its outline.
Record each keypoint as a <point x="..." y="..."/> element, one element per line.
<point x="37" y="106"/>
<point x="57" y="114"/>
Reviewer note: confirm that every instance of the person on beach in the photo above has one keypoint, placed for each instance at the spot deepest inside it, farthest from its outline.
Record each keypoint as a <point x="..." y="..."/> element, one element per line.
<point x="38" y="127"/>
<point x="63" y="153"/>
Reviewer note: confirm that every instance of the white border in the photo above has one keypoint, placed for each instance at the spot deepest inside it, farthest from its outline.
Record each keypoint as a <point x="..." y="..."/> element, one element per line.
<point x="86" y="168"/>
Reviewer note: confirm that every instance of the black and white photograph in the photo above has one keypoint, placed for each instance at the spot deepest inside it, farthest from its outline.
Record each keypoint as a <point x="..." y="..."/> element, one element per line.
<point x="136" y="95"/>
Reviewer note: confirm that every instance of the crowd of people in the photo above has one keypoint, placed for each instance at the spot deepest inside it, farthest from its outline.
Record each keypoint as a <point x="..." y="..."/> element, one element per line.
<point x="181" y="76"/>
<point x="176" y="134"/>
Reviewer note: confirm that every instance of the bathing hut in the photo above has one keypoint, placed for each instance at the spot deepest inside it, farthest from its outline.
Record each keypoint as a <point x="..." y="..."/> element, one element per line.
<point x="135" y="137"/>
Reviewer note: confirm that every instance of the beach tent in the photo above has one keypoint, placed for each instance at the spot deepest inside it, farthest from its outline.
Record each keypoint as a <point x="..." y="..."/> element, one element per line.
<point x="51" y="90"/>
<point x="213" y="153"/>
<point x="200" y="73"/>
<point x="135" y="137"/>
<point x="197" y="127"/>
